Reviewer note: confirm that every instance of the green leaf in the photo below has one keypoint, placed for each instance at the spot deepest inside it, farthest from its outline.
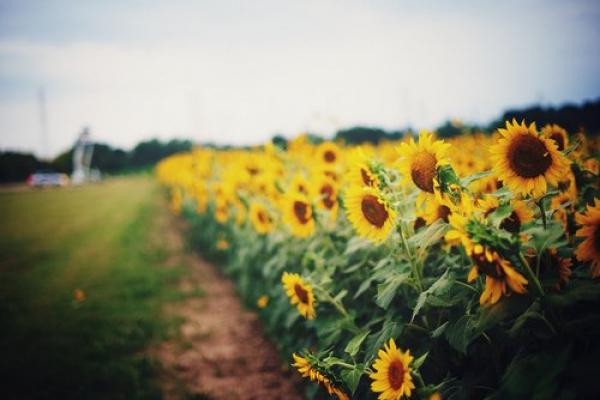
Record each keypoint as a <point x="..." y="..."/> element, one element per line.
<point x="500" y="214"/>
<point x="447" y="176"/>
<point x="351" y="377"/>
<point x="507" y="308"/>
<point x="458" y="335"/>
<point x="390" y="329"/>
<point x="419" y="361"/>
<point x="469" y="327"/>
<point x="437" y="332"/>
<point x="340" y="295"/>
<point x="543" y="239"/>
<point x="535" y="376"/>
<point x="292" y="317"/>
<point x="387" y="290"/>
<point x="355" y="244"/>
<point x="577" y="291"/>
<point x="532" y="313"/>
<point x="428" y="236"/>
<point x="466" y="181"/>
<point x="354" y="345"/>
<point x="364" y="286"/>
<point x="441" y="284"/>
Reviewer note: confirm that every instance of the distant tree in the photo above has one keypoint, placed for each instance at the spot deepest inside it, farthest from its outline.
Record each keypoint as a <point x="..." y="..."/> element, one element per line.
<point x="16" y="167"/>
<point x="108" y="159"/>
<point x="570" y="116"/>
<point x="63" y="162"/>
<point x="149" y="152"/>
<point x="280" y="141"/>
<point x="362" y="134"/>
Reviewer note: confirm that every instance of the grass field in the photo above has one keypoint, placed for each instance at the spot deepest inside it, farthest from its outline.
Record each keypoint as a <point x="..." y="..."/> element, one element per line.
<point x="103" y="239"/>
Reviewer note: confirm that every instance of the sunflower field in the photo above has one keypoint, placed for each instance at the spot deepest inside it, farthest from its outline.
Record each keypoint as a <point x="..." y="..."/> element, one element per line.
<point x="423" y="268"/>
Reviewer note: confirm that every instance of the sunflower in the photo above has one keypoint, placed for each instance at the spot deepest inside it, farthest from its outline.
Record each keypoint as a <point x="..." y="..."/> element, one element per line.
<point x="176" y="201"/>
<point x="458" y="219"/>
<point x="307" y="370"/>
<point x="393" y="377"/>
<point x="589" y="249"/>
<point x="418" y="223"/>
<point x="300" y="293"/>
<point x="79" y="295"/>
<point x="557" y="267"/>
<point x="563" y="203"/>
<point x="298" y="214"/>
<point x="557" y="134"/>
<point x="299" y="184"/>
<point x="261" y="218"/>
<point x="360" y="172"/>
<point x="325" y="190"/>
<point x="436" y="208"/>
<point x="420" y="161"/>
<point x="520" y="214"/>
<point x="222" y="211"/>
<point x="527" y="162"/>
<point x="240" y="211"/>
<point x="328" y="153"/>
<point x="500" y="276"/>
<point x="222" y="244"/>
<point x="201" y="196"/>
<point x="369" y="213"/>
<point x="262" y="301"/>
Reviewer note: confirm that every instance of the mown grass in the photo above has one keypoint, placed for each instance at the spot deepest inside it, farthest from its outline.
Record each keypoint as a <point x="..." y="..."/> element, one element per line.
<point x="105" y="240"/>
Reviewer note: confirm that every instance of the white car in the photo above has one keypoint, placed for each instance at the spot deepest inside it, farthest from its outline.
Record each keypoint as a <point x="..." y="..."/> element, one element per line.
<point x="45" y="179"/>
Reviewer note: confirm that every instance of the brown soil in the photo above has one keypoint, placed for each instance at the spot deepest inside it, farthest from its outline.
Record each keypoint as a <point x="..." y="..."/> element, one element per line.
<point x="221" y="351"/>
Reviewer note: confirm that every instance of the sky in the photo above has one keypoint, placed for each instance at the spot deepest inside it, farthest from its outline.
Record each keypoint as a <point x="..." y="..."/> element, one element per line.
<point x="238" y="72"/>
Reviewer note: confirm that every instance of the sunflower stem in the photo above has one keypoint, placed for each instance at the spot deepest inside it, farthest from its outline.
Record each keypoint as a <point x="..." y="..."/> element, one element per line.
<point x="324" y="294"/>
<point x="417" y="375"/>
<point x="540" y="204"/>
<point x="413" y="265"/>
<point x="344" y="365"/>
<point x="531" y="275"/>
<point x="467" y="286"/>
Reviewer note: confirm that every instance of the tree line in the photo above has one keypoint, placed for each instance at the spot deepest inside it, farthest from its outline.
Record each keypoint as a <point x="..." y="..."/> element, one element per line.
<point x="15" y="167"/>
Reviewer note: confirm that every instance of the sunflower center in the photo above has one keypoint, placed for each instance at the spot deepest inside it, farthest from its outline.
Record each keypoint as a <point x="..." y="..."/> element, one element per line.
<point x="512" y="223"/>
<point x="422" y="171"/>
<point x="374" y="211"/>
<point x="301" y="211"/>
<point x="301" y="293"/>
<point x="559" y="139"/>
<point x="366" y="178"/>
<point x="396" y="374"/>
<point x="486" y="267"/>
<point x="443" y="213"/>
<point x="263" y="218"/>
<point x="528" y="156"/>
<point x="329" y="156"/>
<point x="331" y="174"/>
<point x="302" y="189"/>
<point x="419" y="223"/>
<point x="597" y="238"/>
<point x="327" y="193"/>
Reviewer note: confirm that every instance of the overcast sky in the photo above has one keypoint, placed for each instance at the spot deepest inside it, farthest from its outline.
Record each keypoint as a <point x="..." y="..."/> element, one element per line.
<point x="238" y="72"/>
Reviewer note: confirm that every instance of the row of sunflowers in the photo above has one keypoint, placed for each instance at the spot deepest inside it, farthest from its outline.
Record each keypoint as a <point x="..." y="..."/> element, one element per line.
<point x="420" y="268"/>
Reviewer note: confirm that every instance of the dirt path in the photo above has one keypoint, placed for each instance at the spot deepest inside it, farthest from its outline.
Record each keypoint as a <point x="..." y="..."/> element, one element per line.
<point x="221" y="352"/>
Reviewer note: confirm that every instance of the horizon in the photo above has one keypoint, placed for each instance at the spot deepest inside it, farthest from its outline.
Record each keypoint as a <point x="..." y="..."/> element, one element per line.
<point x="231" y="73"/>
<point x="484" y="126"/>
